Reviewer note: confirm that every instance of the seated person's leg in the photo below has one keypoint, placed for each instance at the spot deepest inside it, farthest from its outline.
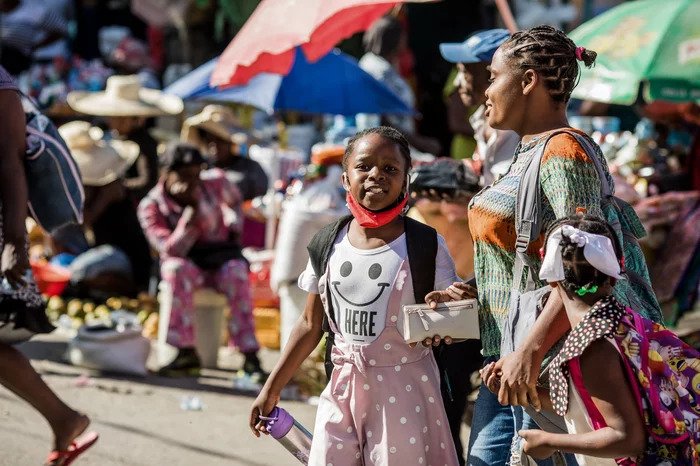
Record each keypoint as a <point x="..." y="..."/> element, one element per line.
<point x="232" y="280"/>
<point x="183" y="278"/>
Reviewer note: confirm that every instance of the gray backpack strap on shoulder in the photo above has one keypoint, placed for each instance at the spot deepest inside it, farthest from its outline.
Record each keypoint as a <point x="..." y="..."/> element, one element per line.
<point x="528" y="218"/>
<point x="523" y="309"/>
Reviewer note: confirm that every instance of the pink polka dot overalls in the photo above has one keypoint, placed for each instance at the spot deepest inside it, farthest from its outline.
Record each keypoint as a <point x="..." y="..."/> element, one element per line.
<point x="382" y="405"/>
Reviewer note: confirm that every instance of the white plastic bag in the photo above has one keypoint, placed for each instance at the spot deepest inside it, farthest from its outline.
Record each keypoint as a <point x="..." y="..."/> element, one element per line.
<point x="302" y="216"/>
<point x="110" y="349"/>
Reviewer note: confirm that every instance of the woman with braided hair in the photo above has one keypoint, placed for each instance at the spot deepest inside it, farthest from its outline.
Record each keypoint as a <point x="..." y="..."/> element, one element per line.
<point x="532" y="75"/>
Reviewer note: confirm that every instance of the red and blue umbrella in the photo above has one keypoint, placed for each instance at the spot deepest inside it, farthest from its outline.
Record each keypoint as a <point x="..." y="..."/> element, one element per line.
<point x="335" y="84"/>
<point x="267" y="41"/>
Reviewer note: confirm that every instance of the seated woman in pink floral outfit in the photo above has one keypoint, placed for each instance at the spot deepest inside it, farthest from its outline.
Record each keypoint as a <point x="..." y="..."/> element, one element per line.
<point x="192" y="217"/>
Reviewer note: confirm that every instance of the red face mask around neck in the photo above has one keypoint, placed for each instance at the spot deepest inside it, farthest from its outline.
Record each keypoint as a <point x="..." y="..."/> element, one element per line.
<point x="369" y="219"/>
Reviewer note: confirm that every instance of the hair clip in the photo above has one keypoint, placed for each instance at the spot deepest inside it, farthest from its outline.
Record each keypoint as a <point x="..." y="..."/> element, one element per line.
<point x="579" y="53"/>
<point x="585" y="289"/>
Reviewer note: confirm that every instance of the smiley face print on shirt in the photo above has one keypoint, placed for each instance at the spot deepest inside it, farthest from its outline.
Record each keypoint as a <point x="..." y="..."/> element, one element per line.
<point x="360" y="285"/>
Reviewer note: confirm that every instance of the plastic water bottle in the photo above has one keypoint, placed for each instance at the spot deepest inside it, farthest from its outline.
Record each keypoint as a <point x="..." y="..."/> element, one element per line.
<point x="292" y="435"/>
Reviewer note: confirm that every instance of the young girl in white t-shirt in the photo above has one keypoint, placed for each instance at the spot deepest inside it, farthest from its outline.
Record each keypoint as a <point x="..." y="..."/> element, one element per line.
<point x="382" y="405"/>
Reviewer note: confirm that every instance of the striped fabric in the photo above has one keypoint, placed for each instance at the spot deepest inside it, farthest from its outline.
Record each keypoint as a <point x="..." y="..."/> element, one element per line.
<point x="27" y="25"/>
<point x="6" y="81"/>
<point x="569" y="180"/>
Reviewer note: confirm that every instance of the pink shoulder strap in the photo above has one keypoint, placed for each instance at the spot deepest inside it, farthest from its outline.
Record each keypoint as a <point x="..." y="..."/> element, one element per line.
<point x="591" y="409"/>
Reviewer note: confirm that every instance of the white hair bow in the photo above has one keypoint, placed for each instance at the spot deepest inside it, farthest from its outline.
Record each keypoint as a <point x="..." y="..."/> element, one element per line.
<point x="597" y="249"/>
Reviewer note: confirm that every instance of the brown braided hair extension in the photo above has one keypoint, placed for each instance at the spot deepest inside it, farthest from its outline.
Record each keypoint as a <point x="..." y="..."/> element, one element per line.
<point x="577" y="271"/>
<point x="550" y="53"/>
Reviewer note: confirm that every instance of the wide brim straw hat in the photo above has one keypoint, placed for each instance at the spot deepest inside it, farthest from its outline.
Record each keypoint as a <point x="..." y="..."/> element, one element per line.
<point x="123" y="97"/>
<point x="100" y="162"/>
<point x="217" y="120"/>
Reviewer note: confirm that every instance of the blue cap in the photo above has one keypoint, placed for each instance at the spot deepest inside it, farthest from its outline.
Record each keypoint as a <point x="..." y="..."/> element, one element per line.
<point x="478" y="47"/>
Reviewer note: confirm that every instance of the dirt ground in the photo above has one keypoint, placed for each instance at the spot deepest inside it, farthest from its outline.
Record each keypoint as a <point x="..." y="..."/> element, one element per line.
<point x="140" y="420"/>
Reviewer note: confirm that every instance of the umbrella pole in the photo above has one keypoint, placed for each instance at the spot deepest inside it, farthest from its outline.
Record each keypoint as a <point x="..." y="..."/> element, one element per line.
<point x="184" y="36"/>
<point x="506" y="15"/>
<point x="271" y="221"/>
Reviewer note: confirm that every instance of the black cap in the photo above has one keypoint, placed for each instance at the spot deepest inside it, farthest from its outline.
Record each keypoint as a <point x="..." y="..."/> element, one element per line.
<point x="180" y="155"/>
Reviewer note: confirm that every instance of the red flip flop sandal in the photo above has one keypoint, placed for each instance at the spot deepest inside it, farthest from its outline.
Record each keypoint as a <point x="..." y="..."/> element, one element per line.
<point x="78" y="447"/>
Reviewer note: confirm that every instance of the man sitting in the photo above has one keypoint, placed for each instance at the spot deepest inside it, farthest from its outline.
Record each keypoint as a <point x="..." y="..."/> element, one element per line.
<point x="192" y="218"/>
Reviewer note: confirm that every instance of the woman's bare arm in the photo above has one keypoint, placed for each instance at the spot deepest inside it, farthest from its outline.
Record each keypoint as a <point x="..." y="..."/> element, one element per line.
<point x="303" y="340"/>
<point x="518" y="371"/>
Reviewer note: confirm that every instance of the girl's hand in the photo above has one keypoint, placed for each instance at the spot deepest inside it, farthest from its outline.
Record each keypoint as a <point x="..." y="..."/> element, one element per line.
<point x="435" y="341"/>
<point x="517" y="374"/>
<point x="535" y="444"/>
<point x="491" y="377"/>
<point x="263" y="405"/>
<point x="455" y="292"/>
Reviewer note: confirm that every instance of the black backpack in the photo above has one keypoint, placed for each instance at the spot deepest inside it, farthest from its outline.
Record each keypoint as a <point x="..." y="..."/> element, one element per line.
<point x="421" y="242"/>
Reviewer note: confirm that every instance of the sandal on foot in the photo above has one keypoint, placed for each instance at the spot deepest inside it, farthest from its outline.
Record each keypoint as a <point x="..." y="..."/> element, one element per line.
<point x="77" y="447"/>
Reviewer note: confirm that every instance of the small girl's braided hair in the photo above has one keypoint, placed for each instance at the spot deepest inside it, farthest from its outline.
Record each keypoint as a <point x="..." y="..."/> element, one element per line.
<point x="387" y="132"/>
<point x="552" y="55"/>
<point x="577" y="271"/>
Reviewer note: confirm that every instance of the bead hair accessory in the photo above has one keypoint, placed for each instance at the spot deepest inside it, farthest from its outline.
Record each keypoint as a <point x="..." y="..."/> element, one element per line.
<point x="579" y="53"/>
<point x="598" y="251"/>
<point x="585" y="289"/>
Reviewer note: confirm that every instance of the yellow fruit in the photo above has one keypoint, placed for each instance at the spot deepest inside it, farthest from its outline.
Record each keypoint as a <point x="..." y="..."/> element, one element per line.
<point x="53" y="315"/>
<point x="88" y="307"/>
<point x="102" y="311"/>
<point x="142" y="316"/>
<point x="56" y="304"/>
<point x="147" y="300"/>
<point x="133" y="305"/>
<point x="77" y="322"/>
<point x="150" y="326"/>
<point x="114" y="303"/>
<point x="74" y="307"/>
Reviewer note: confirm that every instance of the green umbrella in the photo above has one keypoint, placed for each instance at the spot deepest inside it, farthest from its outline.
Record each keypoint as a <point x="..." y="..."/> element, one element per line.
<point x="653" y="43"/>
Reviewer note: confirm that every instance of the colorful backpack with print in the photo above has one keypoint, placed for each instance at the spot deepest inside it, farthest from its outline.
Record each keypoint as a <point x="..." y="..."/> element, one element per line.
<point x="667" y="372"/>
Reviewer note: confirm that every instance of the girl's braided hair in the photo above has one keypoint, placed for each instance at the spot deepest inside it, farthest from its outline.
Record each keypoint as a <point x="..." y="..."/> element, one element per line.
<point x="550" y="53"/>
<point x="577" y="271"/>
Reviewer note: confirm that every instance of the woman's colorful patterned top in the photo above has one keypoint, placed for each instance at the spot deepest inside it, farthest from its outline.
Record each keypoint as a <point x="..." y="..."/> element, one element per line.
<point x="569" y="180"/>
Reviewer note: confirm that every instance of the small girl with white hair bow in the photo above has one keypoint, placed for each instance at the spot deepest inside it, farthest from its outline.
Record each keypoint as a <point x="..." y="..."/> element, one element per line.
<point x="589" y="382"/>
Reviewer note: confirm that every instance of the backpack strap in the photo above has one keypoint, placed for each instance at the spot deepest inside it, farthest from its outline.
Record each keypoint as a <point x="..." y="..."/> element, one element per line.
<point x="528" y="217"/>
<point x="623" y="235"/>
<point x="319" y="249"/>
<point x="528" y="206"/>
<point x="422" y="245"/>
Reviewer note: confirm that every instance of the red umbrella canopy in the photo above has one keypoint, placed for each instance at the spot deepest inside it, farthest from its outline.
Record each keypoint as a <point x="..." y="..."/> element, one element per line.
<point x="267" y="40"/>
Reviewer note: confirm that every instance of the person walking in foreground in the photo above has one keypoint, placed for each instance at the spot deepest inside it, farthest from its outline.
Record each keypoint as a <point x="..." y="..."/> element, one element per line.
<point x="382" y="405"/>
<point x="532" y="75"/>
<point x="19" y="295"/>
<point x="626" y="386"/>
